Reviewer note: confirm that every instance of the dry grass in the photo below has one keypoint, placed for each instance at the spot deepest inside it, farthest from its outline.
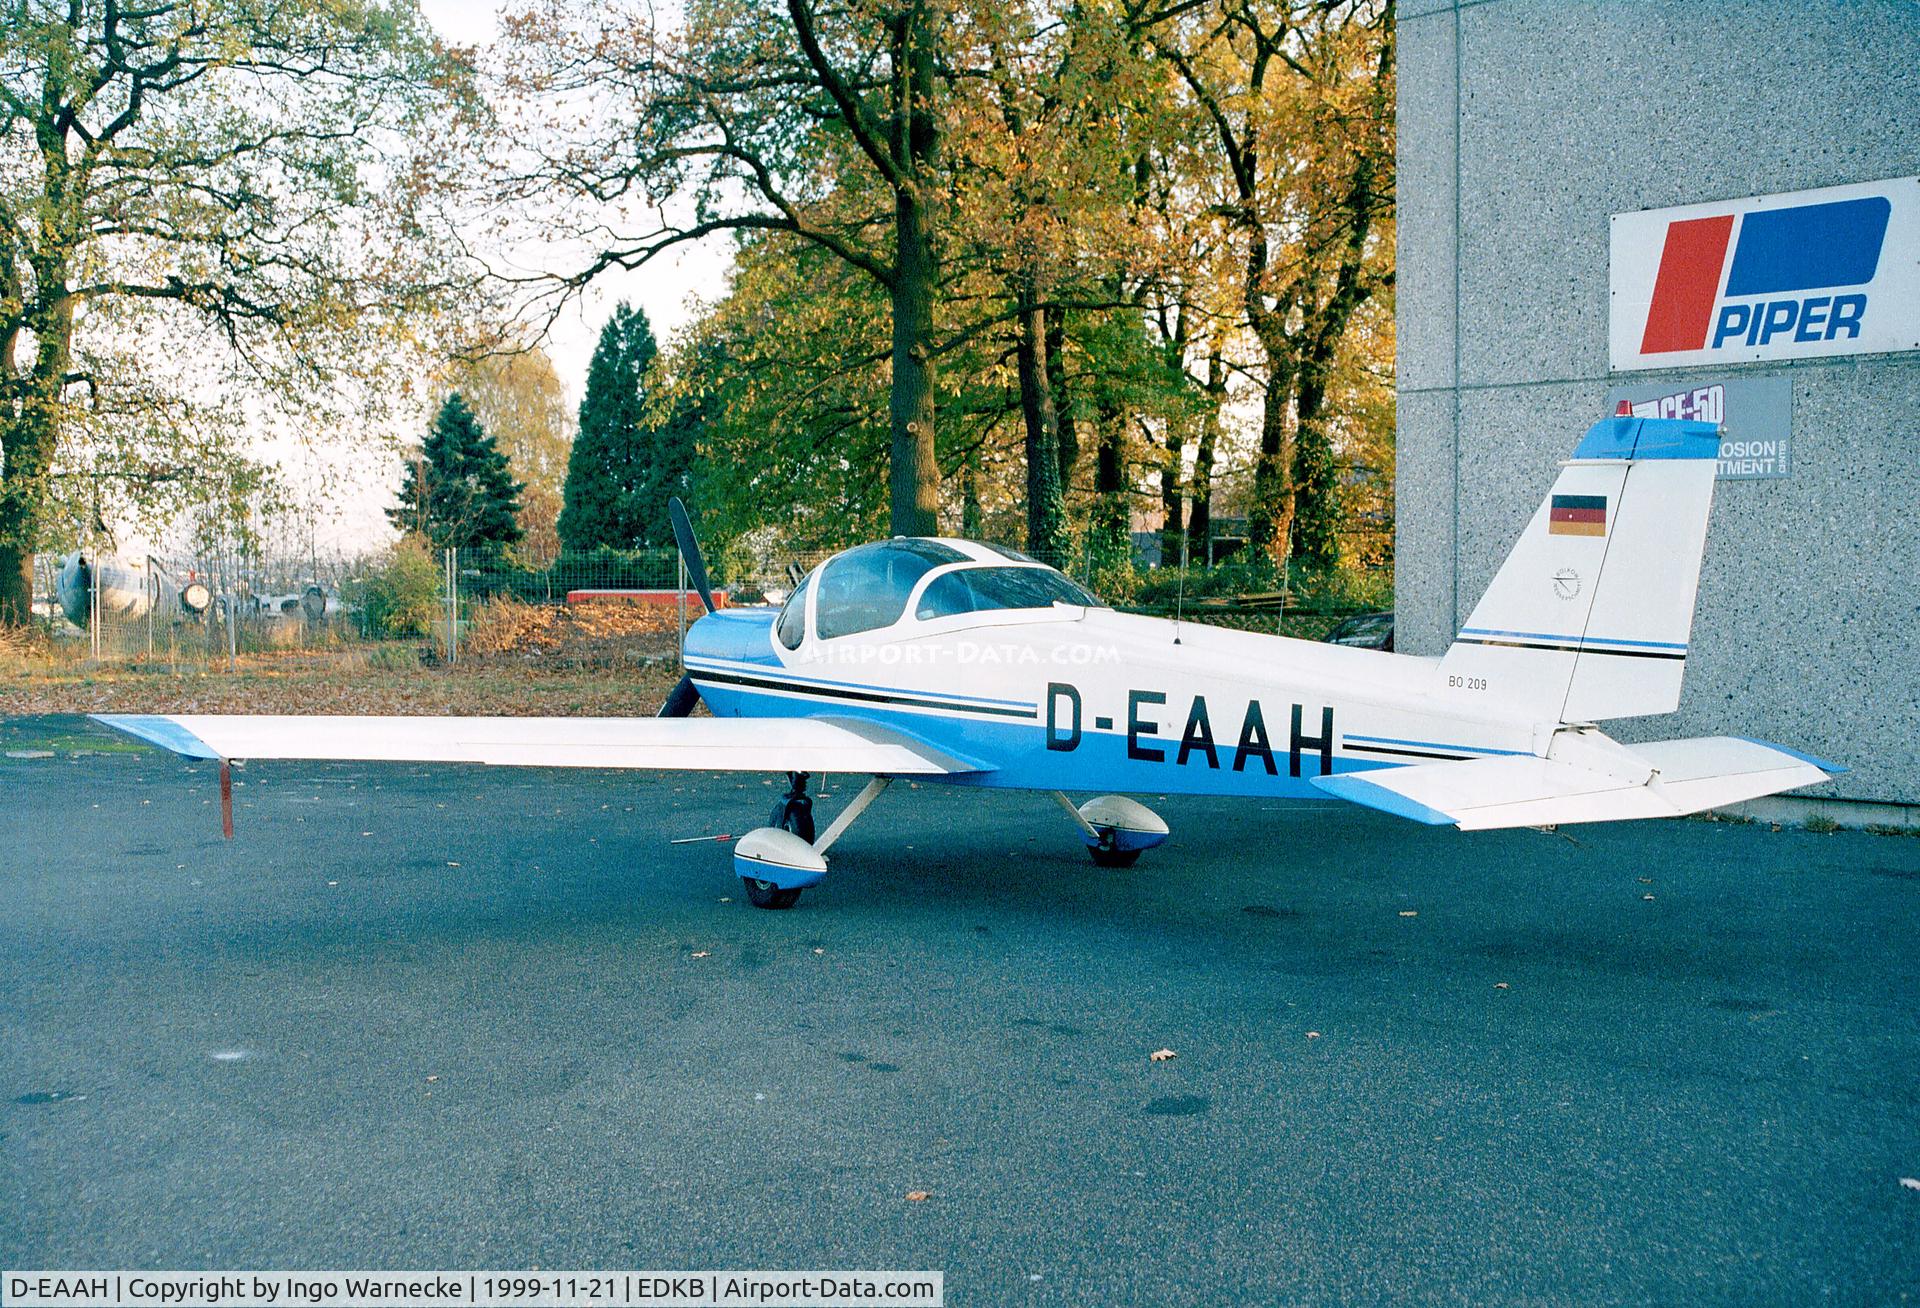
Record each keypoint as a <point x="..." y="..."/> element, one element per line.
<point x="519" y="659"/>
<point x="343" y="684"/>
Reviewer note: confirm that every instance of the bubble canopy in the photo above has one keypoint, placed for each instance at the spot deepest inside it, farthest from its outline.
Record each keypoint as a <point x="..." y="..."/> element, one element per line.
<point x="870" y="586"/>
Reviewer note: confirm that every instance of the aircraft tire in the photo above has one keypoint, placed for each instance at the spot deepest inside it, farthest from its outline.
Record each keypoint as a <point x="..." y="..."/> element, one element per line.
<point x="764" y="894"/>
<point x="1114" y="857"/>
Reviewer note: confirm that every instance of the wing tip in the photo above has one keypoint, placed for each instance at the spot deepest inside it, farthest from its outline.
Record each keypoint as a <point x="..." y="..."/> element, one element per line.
<point x="1369" y="794"/>
<point x="158" y="729"/>
<point x="1831" y="769"/>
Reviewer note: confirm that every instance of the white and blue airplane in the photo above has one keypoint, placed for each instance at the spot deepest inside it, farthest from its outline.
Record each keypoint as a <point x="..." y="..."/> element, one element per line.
<point x="950" y="661"/>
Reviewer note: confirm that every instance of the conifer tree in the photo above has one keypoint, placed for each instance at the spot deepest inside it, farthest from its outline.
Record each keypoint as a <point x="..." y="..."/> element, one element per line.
<point x="460" y="491"/>
<point x="610" y="466"/>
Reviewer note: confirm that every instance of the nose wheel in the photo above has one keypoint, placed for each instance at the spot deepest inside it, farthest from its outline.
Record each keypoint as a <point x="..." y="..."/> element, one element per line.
<point x="776" y="862"/>
<point x="764" y="894"/>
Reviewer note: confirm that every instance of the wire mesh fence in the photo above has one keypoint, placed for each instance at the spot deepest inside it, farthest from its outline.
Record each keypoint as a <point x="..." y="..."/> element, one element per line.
<point x="431" y="607"/>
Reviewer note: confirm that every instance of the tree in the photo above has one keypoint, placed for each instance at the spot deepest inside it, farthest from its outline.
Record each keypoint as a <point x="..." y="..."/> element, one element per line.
<point x="620" y="462"/>
<point x="1293" y="102"/>
<point x="789" y="371"/>
<point x="459" y="493"/>
<point x="518" y="399"/>
<point x="173" y="165"/>
<point x="745" y="110"/>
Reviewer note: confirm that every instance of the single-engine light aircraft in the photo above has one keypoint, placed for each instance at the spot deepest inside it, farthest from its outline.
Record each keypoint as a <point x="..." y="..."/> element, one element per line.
<point x="956" y="662"/>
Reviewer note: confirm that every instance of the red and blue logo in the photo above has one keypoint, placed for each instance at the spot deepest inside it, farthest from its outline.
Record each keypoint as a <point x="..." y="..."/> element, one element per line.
<point x="1790" y="277"/>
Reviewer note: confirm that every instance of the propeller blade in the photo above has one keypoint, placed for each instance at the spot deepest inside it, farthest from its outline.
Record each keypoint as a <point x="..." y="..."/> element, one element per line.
<point x="680" y="700"/>
<point x="690" y="550"/>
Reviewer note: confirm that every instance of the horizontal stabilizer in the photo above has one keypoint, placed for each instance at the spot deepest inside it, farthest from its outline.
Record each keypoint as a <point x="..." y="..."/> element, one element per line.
<point x="697" y="744"/>
<point x="1585" y="778"/>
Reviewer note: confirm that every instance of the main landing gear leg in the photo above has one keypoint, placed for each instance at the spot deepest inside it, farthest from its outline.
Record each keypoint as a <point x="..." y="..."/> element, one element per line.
<point x="794" y="812"/>
<point x="1117" y="829"/>
<point x="777" y="862"/>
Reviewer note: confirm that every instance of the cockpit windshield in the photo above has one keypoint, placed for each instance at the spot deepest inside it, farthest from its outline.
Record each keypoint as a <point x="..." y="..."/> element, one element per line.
<point x="973" y="590"/>
<point x="868" y="587"/>
<point x="792" y="624"/>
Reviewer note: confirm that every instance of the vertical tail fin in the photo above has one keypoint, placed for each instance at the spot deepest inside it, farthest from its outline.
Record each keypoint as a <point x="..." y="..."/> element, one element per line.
<point x="1590" y="615"/>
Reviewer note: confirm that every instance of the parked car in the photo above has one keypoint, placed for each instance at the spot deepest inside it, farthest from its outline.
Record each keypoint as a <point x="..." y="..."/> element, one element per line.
<point x="1364" y="630"/>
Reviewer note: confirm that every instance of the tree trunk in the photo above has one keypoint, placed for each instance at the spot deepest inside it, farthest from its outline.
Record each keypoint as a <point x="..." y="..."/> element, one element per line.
<point x="1316" y="515"/>
<point x="1200" y="509"/>
<point x="28" y="429"/>
<point x="915" y="474"/>
<point x="16" y="586"/>
<point x="1112" y="535"/>
<point x="1173" y="530"/>
<point x="28" y="442"/>
<point x="972" y="519"/>
<point x="1046" y="509"/>
<point x="1062" y="395"/>
<point x="1270" y="516"/>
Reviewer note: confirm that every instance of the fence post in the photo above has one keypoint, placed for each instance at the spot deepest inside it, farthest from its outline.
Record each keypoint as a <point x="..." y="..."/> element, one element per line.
<point x="93" y="606"/>
<point x="450" y="562"/>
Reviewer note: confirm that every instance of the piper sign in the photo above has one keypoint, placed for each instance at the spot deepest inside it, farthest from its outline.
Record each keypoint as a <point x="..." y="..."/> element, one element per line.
<point x="1808" y="273"/>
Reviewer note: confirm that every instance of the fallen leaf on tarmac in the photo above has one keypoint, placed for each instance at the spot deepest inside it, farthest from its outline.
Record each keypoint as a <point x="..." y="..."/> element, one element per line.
<point x="1162" y="1055"/>
<point x="1648" y="898"/>
<point x="433" y="1078"/>
<point x="452" y="864"/>
<point x="819" y="951"/>
<point x="702" y="953"/>
<point x="1499" y="985"/>
<point x="919" y="1196"/>
<point x="1313" y="1035"/>
<point x="1646" y="881"/>
<point x="1409" y="912"/>
<point x="1910" y="1183"/>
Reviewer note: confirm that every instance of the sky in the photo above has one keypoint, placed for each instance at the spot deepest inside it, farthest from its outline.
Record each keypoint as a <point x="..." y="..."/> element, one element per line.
<point x="663" y="288"/>
<point x="358" y="490"/>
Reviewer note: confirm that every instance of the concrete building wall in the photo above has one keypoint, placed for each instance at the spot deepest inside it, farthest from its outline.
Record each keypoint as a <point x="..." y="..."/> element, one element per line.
<point x="1525" y="124"/>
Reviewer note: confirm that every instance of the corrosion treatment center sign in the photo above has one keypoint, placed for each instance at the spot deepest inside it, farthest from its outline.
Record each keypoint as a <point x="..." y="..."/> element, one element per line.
<point x="1800" y="275"/>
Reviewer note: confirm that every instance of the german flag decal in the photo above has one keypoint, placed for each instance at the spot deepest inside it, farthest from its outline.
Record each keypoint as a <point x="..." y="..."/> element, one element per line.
<point x="1577" y="515"/>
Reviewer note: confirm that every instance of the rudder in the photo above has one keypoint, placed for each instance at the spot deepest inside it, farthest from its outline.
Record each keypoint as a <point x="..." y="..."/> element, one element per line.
<point x="1589" y="617"/>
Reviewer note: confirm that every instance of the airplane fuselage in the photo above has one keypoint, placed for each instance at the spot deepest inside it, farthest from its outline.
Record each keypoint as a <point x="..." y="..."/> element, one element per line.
<point x="1088" y="698"/>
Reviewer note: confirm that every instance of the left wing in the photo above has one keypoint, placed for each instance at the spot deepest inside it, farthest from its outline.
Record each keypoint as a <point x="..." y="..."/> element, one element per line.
<point x="696" y="744"/>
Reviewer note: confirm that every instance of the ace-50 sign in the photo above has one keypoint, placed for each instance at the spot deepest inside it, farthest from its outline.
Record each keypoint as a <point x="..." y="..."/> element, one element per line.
<point x="1809" y="273"/>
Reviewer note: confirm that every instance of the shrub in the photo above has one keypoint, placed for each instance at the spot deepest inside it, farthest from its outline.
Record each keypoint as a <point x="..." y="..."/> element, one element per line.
<point x="504" y="624"/>
<point x="403" y="599"/>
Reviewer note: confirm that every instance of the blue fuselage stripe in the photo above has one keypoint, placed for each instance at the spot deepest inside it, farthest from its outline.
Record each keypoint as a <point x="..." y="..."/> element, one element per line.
<point x="1021" y="758"/>
<point x="1428" y="744"/>
<point x="1571" y="640"/>
<point x="774" y="673"/>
